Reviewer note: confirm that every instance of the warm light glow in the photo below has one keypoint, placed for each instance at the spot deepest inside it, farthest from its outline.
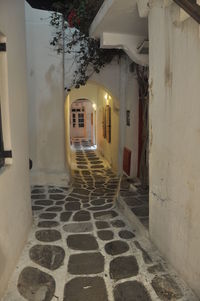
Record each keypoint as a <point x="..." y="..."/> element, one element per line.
<point x="94" y="106"/>
<point x="107" y="98"/>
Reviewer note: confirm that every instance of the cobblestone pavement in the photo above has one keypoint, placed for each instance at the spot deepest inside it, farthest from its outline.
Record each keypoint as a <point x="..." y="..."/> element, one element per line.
<point x="81" y="248"/>
<point x="136" y="199"/>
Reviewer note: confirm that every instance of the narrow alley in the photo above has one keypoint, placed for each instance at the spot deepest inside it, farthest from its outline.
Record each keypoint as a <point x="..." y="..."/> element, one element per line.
<point x="82" y="249"/>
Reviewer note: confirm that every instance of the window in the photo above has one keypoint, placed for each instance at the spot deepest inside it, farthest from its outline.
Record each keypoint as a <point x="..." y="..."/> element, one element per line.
<point x="128" y="123"/>
<point x="74" y="120"/>
<point x="104" y="122"/>
<point x="5" y="137"/>
<point x="81" y="120"/>
<point x="107" y="123"/>
<point x="2" y="160"/>
<point x="77" y="110"/>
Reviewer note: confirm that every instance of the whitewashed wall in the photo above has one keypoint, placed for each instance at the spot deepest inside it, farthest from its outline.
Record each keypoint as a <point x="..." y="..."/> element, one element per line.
<point x="15" y="204"/>
<point x="175" y="140"/>
<point x="95" y="94"/>
<point x="116" y="80"/>
<point x="46" y="79"/>
<point x="109" y="150"/>
<point x="46" y="98"/>
<point x="123" y="87"/>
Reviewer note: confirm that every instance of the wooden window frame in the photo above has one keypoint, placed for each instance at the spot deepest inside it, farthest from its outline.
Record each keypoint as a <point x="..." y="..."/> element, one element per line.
<point x="2" y="159"/>
<point x="108" y="123"/>
<point x="4" y="154"/>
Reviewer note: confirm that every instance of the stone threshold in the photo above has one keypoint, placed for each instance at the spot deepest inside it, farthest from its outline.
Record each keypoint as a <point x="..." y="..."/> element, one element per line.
<point x="133" y="202"/>
<point x="133" y="220"/>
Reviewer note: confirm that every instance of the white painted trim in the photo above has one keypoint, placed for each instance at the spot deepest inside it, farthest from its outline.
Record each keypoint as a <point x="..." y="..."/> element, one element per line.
<point x="143" y="8"/>
<point x="183" y="15"/>
<point x="126" y="42"/>
<point x="167" y="3"/>
<point x="106" y="6"/>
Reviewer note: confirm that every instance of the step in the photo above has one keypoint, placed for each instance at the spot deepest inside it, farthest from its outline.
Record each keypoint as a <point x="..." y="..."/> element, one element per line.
<point x="132" y="219"/>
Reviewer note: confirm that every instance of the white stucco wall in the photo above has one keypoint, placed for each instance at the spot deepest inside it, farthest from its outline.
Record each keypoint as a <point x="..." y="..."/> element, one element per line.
<point x="15" y="204"/>
<point x="175" y="140"/>
<point x="95" y="93"/>
<point x="109" y="78"/>
<point x="109" y="150"/>
<point x="46" y="97"/>
<point x="89" y="127"/>
<point x="123" y="87"/>
<point x="89" y="91"/>
<point x="116" y="80"/>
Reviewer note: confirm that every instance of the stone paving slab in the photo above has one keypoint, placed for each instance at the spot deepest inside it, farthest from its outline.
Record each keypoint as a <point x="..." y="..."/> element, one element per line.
<point x="135" y="202"/>
<point x="77" y="253"/>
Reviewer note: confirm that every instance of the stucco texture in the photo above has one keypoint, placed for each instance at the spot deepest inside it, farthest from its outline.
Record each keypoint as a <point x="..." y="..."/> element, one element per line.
<point x="175" y="140"/>
<point x="15" y="205"/>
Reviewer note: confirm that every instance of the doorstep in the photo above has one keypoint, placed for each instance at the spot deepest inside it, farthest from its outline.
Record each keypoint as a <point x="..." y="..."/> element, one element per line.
<point x="133" y="202"/>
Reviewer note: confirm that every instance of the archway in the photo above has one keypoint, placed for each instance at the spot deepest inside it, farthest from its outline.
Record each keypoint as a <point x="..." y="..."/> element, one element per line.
<point x="103" y="119"/>
<point x="83" y="122"/>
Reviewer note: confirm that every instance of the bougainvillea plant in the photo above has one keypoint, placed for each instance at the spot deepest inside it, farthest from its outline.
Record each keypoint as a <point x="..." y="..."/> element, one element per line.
<point x="71" y="21"/>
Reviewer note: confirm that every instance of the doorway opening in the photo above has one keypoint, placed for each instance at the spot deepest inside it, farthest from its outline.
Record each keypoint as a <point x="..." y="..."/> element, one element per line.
<point x="83" y="123"/>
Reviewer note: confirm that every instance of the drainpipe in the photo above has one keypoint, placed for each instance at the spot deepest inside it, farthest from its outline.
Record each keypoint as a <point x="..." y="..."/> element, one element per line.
<point x="63" y="42"/>
<point x="63" y="84"/>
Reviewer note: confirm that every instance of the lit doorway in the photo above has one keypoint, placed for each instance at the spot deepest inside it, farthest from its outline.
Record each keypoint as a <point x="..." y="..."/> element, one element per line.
<point x="83" y="121"/>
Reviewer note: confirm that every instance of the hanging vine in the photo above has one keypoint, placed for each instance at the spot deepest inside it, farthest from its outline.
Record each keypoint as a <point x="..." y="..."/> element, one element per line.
<point x="71" y="22"/>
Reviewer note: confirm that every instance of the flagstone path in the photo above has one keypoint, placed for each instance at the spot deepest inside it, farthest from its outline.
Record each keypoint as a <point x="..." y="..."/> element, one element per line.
<point x="82" y="249"/>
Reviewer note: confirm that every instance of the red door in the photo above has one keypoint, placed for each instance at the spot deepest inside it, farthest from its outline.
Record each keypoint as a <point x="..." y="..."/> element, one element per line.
<point x="140" y="138"/>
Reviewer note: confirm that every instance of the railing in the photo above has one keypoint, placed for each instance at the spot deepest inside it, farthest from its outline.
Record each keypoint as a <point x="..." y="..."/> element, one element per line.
<point x="191" y="7"/>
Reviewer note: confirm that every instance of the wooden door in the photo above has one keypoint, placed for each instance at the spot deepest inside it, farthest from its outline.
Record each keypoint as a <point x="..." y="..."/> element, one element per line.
<point x="108" y="124"/>
<point x="78" y="123"/>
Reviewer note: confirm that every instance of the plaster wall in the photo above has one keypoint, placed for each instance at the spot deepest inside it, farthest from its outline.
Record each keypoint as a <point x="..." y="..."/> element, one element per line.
<point x="15" y="204"/>
<point x="175" y="140"/>
<point x="123" y="87"/>
<point x="116" y="80"/>
<point x="89" y="126"/>
<point x="46" y="97"/>
<point x="108" y="150"/>
<point x="96" y="94"/>
<point x="89" y="91"/>
<point x="109" y="78"/>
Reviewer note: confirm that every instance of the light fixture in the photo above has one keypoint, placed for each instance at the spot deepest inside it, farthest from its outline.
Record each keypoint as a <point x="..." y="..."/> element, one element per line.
<point x="107" y="98"/>
<point x="94" y="106"/>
